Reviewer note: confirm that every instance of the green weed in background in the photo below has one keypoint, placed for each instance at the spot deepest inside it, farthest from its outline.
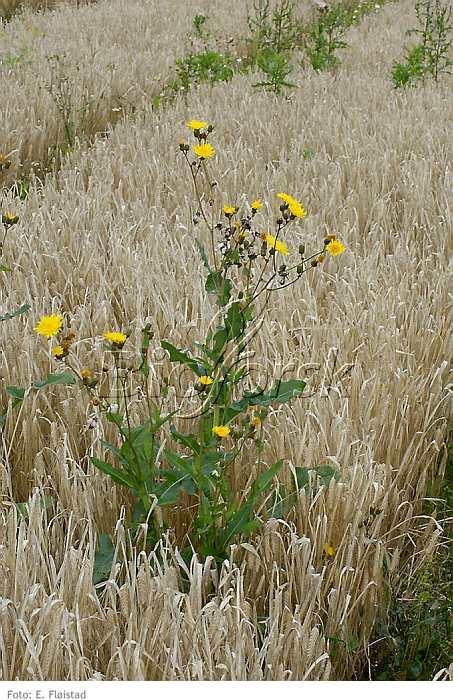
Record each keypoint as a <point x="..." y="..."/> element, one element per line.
<point x="431" y="55"/>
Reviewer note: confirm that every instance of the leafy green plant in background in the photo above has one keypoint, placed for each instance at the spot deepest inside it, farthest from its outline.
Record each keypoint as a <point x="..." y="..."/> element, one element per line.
<point x="199" y="22"/>
<point x="276" y="69"/>
<point x="204" y="67"/>
<point x="273" y="28"/>
<point x="431" y="56"/>
<point x="325" y="36"/>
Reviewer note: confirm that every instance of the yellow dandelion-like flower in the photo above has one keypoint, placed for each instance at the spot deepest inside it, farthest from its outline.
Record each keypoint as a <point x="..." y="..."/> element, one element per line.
<point x="297" y="209"/>
<point x="228" y="210"/>
<point x="276" y="244"/>
<point x="329" y="551"/>
<point x="9" y="219"/>
<point x="205" y="380"/>
<point x="256" y="204"/>
<point x="203" y="150"/>
<point x="196" y="125"/>
<point x="286" y="197"/>
<point x="49" y="326"/>
<point x="58" y="352"/>
<point x="255" y="421"/>
<point x="335" y="247"/>
<point x="221" y="431"/>
<point x="115" y="337"/>
<point x="86" y="374"/>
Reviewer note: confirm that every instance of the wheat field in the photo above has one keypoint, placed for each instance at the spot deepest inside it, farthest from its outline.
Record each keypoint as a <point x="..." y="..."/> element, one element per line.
<point x="108" y="240"/>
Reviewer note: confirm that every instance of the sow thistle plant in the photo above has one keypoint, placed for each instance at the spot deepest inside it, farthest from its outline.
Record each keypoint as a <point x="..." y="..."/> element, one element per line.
<point x="178" y="458"/>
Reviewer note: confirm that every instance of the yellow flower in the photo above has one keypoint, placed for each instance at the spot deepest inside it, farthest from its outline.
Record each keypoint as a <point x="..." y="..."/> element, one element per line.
<point x="221" y="431"/>
<point x="228" y="210"/>
<point x="297" y="209"/>
<point x="115" y="337"/>
<point x="9" y="219"/>
<point x="58" y="352"/>
<point x="205" y="380"/>
<point x="328" y="550"/>
<point x="335" y="247"/>
<point x="256" y="204"/>
<point x="204" y="150"/>
<point x="196" y="125"/>
<point x="286" y="197"/>
<point x="86" y="374"/>
<point x="276" y="244"/>
<point x="48" y="326"/>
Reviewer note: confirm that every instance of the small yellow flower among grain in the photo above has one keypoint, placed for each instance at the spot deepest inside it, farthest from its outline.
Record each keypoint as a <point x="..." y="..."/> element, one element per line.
<point x="205" y="380"/>
<point x="58" y="352"/>
<point x="9" y="219"/>
<point x="276" y="244"/>
<point x="196" y="125"/>
<point x="297" y="210"/>
<point x="49" y="326"/>
<point x="286" y="197"/>
<point x="221" y="431"/>
<point x="256" y="204"/>
<point x="86" y="374"/>
<point x="255" y="421"/>
<point x="335" y="247"/>
<point x="228" y="210"/>
<point x="329" y="551"/>
<point x="204" y="150"/>
<point x="115" y="337"/>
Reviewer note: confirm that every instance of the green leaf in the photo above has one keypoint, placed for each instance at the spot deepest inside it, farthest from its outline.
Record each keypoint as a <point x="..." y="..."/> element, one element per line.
<point x="118" y="475"/>
<point x="23" y="508"/>
<point x="52" y="379"/>
<point x="219" y="340"/>
<point x="282" y="392"/>
<point x="235" y="321"/>
<point x="186" y="440"/>
<point x="103" y="559"/>
<point x="3" y="268"/>
<point x="302" y="477"/>
<point x="16" y="392"/>
<point x="326" y="473"/>
<point x="180" y="356"/>
<point x="262" y="482"/>
<point x="244" y="520"/>
<point x="115" y="418"/>
<point x="203" y="255"/>
<point x="217" y="284"/>
<point x="21" y="310"/>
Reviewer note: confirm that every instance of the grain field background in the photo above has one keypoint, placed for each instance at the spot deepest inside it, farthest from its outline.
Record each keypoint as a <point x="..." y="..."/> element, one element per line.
<point x="107" y="239"/>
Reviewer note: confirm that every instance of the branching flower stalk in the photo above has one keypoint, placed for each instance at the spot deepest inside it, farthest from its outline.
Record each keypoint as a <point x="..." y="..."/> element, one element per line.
<point x="245" y="265"/>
